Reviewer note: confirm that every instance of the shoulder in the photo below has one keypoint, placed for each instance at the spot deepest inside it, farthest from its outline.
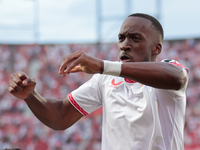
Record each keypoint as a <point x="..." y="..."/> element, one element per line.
<point x="170" y="61"/>
<point x="174" y="62"/>
<point x="101" y="78"/>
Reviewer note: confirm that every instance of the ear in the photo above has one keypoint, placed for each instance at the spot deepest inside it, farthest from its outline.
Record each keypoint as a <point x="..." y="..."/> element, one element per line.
<point x="156" y="49"/>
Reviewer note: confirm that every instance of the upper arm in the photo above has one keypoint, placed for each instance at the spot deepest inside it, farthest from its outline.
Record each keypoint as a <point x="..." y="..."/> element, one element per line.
<point x="182" y="73"/>
<point x="185" y="77"/>
<point x="68" y="114"/>
<point x="79" y="103"/>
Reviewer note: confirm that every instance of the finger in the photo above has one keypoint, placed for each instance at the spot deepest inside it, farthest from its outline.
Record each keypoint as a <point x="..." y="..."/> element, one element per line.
<point x="67" y="60"/>
<point x="22" y="75"/>
<point x="15" y="86"/>
<point x="64" y="74"/>
<point x="29" y="81"/>
<point x="76" y="69"/>
<point x="17" y="80"/>
<point x="12" y="90"/>
<point x="73" y="65"/>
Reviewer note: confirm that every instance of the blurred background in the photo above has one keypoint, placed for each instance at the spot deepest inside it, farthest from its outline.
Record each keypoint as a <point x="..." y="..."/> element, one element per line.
<point x="36" y="34"/>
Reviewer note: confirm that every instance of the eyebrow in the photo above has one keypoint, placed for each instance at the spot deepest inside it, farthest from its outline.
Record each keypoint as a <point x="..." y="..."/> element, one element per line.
<point x="120" y="34"/>
<point x="132" y="33"/>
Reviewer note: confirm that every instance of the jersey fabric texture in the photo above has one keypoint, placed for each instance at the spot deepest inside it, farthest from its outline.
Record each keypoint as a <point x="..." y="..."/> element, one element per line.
<point x="135" y="116"/>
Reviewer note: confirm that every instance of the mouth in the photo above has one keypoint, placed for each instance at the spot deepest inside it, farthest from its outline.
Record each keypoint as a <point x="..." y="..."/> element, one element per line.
<point x="125" y="58"/>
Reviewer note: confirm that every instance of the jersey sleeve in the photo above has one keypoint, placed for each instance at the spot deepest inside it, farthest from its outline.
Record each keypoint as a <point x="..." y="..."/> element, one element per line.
<point x="174" y="62"/>
<point x="182" y="90"/>
<point x="86" y="98"/>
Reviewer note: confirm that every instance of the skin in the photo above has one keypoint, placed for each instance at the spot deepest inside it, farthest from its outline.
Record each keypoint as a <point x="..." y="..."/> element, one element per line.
<point x="138" y="41"/>
<point x="142" y="43"/>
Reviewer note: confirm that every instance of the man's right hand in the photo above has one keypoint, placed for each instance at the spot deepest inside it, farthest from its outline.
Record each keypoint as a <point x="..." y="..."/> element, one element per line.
<point x="20" y="85"/>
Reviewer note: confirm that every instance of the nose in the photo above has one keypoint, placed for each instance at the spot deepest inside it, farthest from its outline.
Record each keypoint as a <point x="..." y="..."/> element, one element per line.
<point x="125" y="46"/>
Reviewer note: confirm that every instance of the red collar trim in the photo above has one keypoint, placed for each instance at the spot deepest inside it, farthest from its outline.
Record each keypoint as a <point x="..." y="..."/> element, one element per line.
<point x="129" y="80"/>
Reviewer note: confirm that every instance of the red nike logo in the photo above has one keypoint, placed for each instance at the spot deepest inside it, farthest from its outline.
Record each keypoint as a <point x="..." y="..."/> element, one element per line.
<point x="113" y="82"/>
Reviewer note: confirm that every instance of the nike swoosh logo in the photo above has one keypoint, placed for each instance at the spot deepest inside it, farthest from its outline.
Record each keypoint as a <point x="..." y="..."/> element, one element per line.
<point x="113" y="82"/>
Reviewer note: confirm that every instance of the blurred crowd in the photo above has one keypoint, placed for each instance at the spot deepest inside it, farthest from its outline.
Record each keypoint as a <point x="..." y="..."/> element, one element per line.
<point x="20" y="128"/>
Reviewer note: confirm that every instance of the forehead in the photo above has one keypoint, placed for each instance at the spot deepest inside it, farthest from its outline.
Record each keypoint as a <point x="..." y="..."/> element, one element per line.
<point x="136" y="24"/>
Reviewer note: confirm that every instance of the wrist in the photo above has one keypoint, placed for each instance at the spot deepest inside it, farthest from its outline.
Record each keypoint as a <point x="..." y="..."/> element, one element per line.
<point x="29" y="96"/>
<point x="112" y="68"/>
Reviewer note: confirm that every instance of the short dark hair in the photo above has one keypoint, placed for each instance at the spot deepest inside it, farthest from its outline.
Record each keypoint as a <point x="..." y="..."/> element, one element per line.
<point x="154" y="21"/>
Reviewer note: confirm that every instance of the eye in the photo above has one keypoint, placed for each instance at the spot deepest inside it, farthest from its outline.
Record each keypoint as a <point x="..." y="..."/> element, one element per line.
<point x="136" y="38"/>
<point x="121" y="38"/>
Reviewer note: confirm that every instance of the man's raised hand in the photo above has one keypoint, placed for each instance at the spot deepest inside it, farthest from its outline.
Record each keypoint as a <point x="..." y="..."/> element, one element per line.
<point x="20" y="85"/>
<point x="80" y="61"/>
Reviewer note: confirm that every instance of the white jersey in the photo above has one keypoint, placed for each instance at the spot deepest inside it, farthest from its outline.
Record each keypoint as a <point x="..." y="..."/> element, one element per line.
<point x="135" y="116"/>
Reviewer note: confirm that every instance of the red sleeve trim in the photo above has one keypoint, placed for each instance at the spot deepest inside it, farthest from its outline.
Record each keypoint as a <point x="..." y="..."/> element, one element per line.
<point x="177" y="64"/>
<point x="75" y="104"/>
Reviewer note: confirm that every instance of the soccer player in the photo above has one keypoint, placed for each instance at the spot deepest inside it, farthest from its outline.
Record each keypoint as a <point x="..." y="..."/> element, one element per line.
<point x="143" y="100"/>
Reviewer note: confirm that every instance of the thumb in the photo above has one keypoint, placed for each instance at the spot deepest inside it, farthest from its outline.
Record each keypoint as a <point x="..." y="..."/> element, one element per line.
<point x="29" y="81"/>
<point x="76" y="69"/>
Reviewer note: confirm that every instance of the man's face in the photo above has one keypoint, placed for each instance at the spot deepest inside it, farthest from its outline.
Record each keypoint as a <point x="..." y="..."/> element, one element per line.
<point x="137" y="39"/>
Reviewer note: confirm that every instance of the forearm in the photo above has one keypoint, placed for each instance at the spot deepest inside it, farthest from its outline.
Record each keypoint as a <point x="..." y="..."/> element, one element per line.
<point x="57" y="114"/>
<point x="155" y="74"/>
<point x="47" y="111"/>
